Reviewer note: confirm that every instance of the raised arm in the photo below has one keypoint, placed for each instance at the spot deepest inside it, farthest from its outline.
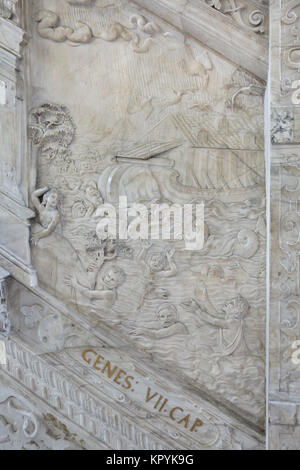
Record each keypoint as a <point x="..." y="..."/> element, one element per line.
<point x="177" y="328"/>
<point x="172" y="271"/>
<point x="91" y="294"/>
<point x="202" y="299"/>
<point x="146" y="245"/>
<point x="36" y="195"/>
<point x="203" y="314"/>
<point x="211" y="320"/>
<point x="172" y="330"/>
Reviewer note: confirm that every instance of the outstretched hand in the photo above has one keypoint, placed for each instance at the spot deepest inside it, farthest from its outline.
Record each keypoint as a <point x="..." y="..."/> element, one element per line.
<point x="190" y="305"/>
<point x="137" y="331"/>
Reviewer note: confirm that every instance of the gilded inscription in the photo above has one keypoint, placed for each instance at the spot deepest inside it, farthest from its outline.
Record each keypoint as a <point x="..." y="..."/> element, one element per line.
<point x="153" y="398"/>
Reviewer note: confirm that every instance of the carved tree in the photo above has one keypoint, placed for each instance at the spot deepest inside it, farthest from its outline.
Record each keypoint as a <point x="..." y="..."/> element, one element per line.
<point x="52" y="130"/>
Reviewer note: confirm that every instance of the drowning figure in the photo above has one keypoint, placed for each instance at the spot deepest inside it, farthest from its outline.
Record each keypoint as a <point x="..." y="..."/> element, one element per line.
<point x="161" y="264"/>
<point x="104" y="294"/>
<point x="49" y="242"/>
<point x="49" y="216"/>
<point x="230" y="322"/>
<point x="93" y="195"/>
<point x="98" y="256"/>
<point x="167" y="317"/>
<point x="158" y="265"/>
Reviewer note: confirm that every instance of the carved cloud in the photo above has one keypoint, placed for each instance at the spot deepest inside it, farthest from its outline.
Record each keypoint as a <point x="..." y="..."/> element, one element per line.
<point x="49" y="28"/>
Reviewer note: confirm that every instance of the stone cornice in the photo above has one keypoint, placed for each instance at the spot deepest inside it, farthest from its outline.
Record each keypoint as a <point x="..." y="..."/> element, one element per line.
<point x="216" y="30"/>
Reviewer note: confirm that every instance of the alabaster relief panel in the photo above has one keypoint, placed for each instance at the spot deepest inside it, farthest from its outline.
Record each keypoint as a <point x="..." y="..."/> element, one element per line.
<point x="124" y="105"/>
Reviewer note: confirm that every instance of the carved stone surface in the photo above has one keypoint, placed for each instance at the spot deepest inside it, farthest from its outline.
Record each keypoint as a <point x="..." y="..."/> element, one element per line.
<point x="131" y="344"/>
<point x="179" y="124"/>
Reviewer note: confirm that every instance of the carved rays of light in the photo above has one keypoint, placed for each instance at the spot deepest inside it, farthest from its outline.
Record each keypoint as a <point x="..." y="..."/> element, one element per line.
<point x="197" y="66"/>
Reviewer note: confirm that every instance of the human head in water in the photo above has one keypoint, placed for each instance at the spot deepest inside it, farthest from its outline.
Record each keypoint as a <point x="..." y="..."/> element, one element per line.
<point x="113" y="277"/>
<point x="156" y="261"/>
<point x="167" y="315"/>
